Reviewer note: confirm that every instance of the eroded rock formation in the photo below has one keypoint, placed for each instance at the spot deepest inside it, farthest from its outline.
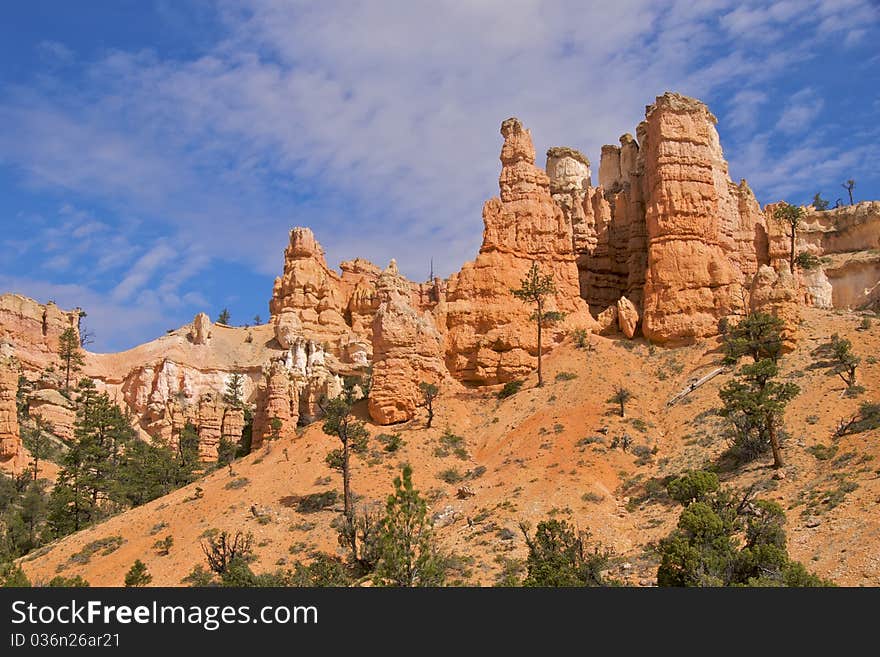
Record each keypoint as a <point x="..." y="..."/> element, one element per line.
<point x="10" y="438"/>
<point x="665" y="244"/>
<point x="31" y="330"/>
<point x="407" y="350"/>
<point x="775" y="292"/>
<point x="691" y="282"/>
<point x="490" y="337"/>
<point x="54" y="409"/>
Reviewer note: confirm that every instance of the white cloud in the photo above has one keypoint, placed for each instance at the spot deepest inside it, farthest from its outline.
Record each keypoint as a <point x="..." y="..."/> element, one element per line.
<point x="800" y="111"/>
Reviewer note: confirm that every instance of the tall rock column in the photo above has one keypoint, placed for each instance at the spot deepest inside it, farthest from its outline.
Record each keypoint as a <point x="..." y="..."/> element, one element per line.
<point x="311" y="290"/>
<point x="10" y="438"/>
<point x="407" y="350"/>
<point x="490" y="337"/>
<point x="690" y="280"/>
<point x="277" y="398"/>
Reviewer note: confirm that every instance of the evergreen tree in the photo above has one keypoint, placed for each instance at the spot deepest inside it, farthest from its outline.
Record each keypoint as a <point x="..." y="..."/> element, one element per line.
<point x="234" y="394"/>
<point x="429" y="394"/>
<point x="726" y="540"/>
<point x="754" y="405"/>
<point x="620" y="397"/>
<point x="759" y="335"/>
<point x="409" y="555"/>
<point x="845" y="362"/>
<point x="188" y="451"/>
<point x="71" y="355"/>
<point x="535" y="288"/>
<point x="224" y="317"/>
<point x="148" y="472"/>
<point x="138" y="575"/>
<point x="559" y="556"/>
<point x="88" y="480"/>
<point x="820" y="203"/>
<point x="37" y="441"/>
<point x="12" y="576"/>
<point x="352" y="434"/>
<point x="791" y="216"/>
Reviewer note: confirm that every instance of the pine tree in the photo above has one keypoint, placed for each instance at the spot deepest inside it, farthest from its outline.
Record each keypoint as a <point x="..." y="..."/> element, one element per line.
<point x="409" y="555"/>
<point x="845" y="362"/>
<point x="754" y="404"/>
<point x="71" y="355"/>
<point x="188" y="451"/>
<point x="138" y="575"/>
<point x="224" y="317"/>
<point x="88" y="477"/>
<point x="429" y="394"/>
<point x="234" y="394"/>
<point x="535" y="288"/>
<point x="559" y="556"/>
<point x="758" y="335"/>
<point x="352" y="434"/>
<point x="791" y="216"/>
<point x="820" y="203"/>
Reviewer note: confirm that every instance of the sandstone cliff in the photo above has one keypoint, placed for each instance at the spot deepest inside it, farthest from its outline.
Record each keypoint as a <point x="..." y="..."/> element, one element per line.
<point x="10" y="439"/>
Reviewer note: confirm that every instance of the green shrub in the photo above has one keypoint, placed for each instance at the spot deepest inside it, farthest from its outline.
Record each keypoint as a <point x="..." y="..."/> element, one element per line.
<point x="566" y="376"/>
<point x="823" y="452"/>
<point x="510" y="388"/>
<point x="391" y="441"/>
<point x="450" y="476"/>
<point x="316" y="502"/>
<point x="694" y="486"/>
<point x="559" y="556"/>
<point x="106" y="546"/>
<point x="239" y="482"/>
<point x="806" y="261"/>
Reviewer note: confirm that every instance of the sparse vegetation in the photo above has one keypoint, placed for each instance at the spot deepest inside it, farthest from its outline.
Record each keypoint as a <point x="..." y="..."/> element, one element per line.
<point x="163" y="546"/>
<point x="566" y="376"/>
<point x="807" y="261"/>
<point x="451" y="476"/>
<point x="391" y="441"/>
<point x="315" y="502"/>
<point x="867" y="419"/>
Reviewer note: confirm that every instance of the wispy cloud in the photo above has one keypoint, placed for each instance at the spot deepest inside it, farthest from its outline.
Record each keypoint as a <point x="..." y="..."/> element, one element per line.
<point x="800" y="111"/>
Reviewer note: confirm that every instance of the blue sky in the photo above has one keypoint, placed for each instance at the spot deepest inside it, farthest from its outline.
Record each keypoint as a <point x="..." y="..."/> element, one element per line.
<point x="153" y="155"/>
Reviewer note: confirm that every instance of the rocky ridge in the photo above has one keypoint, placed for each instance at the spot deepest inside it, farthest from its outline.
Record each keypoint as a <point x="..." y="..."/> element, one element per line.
<point x="665" y="246"/>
